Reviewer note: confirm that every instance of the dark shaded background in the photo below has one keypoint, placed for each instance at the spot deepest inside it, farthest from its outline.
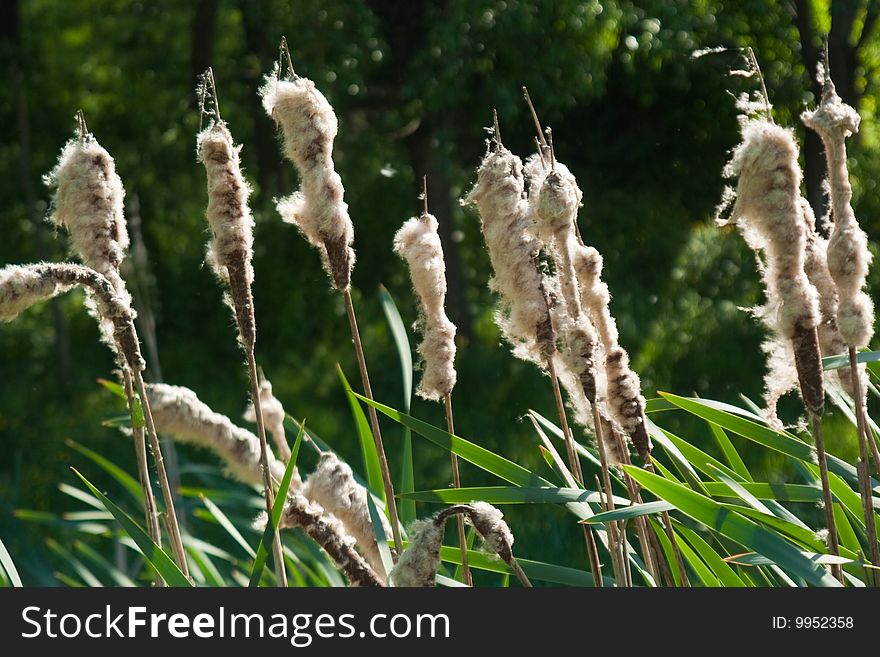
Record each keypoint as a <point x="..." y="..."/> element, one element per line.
<point x="644" y="126"/>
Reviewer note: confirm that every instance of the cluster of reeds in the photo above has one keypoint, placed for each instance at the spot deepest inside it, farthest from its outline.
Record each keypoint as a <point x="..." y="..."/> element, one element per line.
<point x="815" y="303"/>
<point x="554" y="310"/>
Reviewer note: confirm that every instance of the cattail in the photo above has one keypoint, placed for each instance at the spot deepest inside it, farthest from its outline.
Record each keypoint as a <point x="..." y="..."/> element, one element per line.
<point x="848" y="261"/>
<point x="418" y="243"/>
<point x="273" y="416"/>
<point x="848" y="255"/>
<point x="332" y="485"/>
<point x="623" y="394"/>
<point x="417" y="566"/>
<point x="178" y="412"/>
<point x="768" y="212"/>
<point x="88" y="203"/>
<point x="230" y="249"/>
<point x="308" y="126"/>
<point x="831" y="342"/>
<point x="22" y="286"/>
<point x="330" y="534"/>
<point x="507" y="225"/>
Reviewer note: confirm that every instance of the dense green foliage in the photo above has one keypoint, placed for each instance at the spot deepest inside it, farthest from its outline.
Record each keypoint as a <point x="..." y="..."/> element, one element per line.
<point x="644" y="126"/>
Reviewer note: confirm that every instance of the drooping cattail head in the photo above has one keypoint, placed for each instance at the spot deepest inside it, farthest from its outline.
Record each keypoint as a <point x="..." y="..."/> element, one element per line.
<point x="88" y="203"/>
<point x="848" y="255"/>
<point x="326" y="530"/>
<point x="490" y="525"/>
<point x="228" y="214"/>
<point x="178" y="412"/>
<point x="513" y="250"/>
<point x="333" y="486"/>
<point x="308" y="126"/>
<point x="22" y="286"/>
<point x="418" y="243"/>
<point x="273" y="417"/>
<point x="417" y="566"/>
<point x="767" y="210"/>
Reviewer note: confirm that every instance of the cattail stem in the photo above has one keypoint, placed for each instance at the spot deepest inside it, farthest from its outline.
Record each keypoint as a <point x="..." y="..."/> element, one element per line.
<point x="650" y="555"/>
<point x="615" y="529"/>
<point x="456" y="482"/>
<point x="159" y="464"/>
<point x="667" y="524"/>
<point x="140" y="450"/>
<point x="863" y="468"/>
<point x="277" y="549"/>
<point x="374" y="423"/>
<point x="816" y="422"/>
<point x="575" y="467"/>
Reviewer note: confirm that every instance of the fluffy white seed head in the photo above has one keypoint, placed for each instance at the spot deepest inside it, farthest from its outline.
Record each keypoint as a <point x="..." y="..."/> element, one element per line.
<point x="418" y="243"/>
<point x="88" y="203"/>
<point x="333" y="486"/>
<point x="507" y="224"/>
<point x="490" y="525"/>
<point x="308" y="126"/>
<point x="178" y="412"/>
<point x="228" y="214"/>
<point x="417" y="566"/>
<point x="768" y="212"/>
<point x="273" y="418"/>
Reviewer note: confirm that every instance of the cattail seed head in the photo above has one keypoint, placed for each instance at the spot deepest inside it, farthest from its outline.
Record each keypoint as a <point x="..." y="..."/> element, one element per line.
<point x="513" y="251"/>
<point x="88" y="203"/>
<point x="333" y="486"/>
<point x="228" y="214"/>
<point x="417" y="566"/>
<point x="490" y="525"/>
<point x="768" y="211"/>
<point x="418" y="243"/>
<point x="178" y="412"/>
<point x="308" y="126"/>
<point x="273" y="417"/>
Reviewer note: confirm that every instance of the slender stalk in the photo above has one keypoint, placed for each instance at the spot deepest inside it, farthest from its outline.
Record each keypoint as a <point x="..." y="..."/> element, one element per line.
<point x="374" y="424"/>
<point x="277" y="550"/>
<point x="140" y="450"/>
<point x="650" y="555"/>
<point x="617" y="536"/>
<point x="667" y="524"/>
<point x="159" y="464"/>
<point x="520" y="575"/>
<point x="827" y="499"/>
<point x="863" y="469"/>
<point x="456" y="482"/>
<point x="574" y="465"/>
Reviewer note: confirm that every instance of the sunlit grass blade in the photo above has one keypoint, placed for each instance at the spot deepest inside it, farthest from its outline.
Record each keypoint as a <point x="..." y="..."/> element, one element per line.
<point x="151" y="552"/>
<point x="725" y="574"/>
<point x="769" y="491"/>
<point x="119" y="578"/>
<point x="365" y="437"/>
<point x="761" y="434"/>
<point x="228" y="525"/>
<point x="407" y="508"/>
<point x="471" y="452"/>
<point x="205" y="564"/>
<point x="632" y="511"/>
<point x="735" y="526"/>
<point x="128" y="482"/>
<point x="381" y="538"/>
<point x="733" y="458"/>
<point x="681" y="463"/>
<point x="668" y="552"/>
<point x="842" y="360"/>
<point x="265" y="545"/>
<point x="509" y="495"/>
<point x="8" y="566"/>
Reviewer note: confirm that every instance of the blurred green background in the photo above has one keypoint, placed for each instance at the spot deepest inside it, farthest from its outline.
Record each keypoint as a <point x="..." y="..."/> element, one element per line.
<point x="645" y="127"/>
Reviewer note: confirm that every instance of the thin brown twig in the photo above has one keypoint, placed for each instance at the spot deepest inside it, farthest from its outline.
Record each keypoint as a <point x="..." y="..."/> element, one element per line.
<point x="140" y="450"/>
<point x="828" y="501"/>
<point x="456" y="482"/>
<point x="864" y="476"/>
<point x="374" y="424"/>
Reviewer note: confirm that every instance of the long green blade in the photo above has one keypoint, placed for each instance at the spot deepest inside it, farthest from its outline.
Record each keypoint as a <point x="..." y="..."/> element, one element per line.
<point x="265" y="545"/>
<point x="509" y="495"/>
<point x="734" y="526"/>
<point x="152" y="552"/>
<point x="365" y="436"/>
<point x="9" y="566"/>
